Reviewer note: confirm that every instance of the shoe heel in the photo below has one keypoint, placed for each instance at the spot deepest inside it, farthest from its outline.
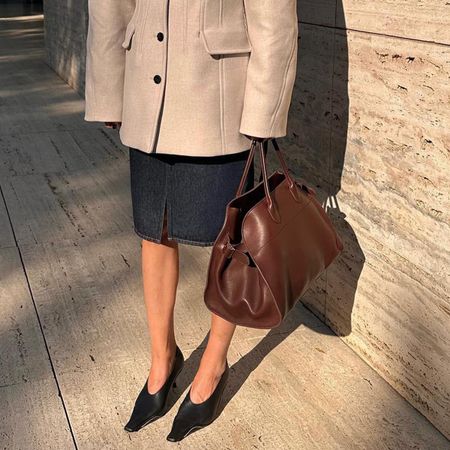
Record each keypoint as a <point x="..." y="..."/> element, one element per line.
<point x="193" y="416"/>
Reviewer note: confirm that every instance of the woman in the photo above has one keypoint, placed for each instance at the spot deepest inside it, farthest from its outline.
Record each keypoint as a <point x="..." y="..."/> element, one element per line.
<point x="189" y="83"/>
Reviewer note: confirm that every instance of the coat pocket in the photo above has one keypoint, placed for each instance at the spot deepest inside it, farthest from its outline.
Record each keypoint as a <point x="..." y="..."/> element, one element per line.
<point x="129" y="33"/>
<point x="223" y="27"/>
<point x="224" y="42"/>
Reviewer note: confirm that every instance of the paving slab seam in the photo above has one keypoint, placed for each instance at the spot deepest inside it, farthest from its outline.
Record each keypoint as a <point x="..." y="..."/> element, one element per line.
<point x="40" y="323"/>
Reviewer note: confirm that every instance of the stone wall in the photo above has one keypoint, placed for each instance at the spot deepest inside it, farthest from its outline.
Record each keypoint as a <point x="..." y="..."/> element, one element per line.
<point x="65" y="39"/>
<point x="369" y="128"/>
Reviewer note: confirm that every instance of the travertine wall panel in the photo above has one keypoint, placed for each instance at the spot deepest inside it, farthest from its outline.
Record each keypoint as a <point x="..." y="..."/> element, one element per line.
<point x="319" y="12"/>
<point x="65" y="38"/>
<point x="397" y="319"/>
<point x="396" y="170"/>
<point x="309" y="120"/>
<point x="415" y="19"/>
<point x="387" y="295"/>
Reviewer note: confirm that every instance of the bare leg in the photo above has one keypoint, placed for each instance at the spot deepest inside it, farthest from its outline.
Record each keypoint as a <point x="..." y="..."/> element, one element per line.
<point x="213" y="360"/>
<point x="160" y="268"/>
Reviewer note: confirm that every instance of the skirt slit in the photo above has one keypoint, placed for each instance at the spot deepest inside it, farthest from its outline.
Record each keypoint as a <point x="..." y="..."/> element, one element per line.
<point x="191" y="193"/>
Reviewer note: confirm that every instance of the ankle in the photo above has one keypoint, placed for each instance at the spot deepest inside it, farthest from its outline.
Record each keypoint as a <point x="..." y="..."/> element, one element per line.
<point x="164" y="353"/>
<point x="214" y="363"/>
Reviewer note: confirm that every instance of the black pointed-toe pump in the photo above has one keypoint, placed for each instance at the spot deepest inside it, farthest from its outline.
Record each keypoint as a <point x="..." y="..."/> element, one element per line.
<point x="149" y="407"/>
<point x="193" y="416"/>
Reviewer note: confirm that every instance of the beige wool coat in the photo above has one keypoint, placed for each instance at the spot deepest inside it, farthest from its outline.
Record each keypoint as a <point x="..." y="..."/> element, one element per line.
<point x="191" y="77"/>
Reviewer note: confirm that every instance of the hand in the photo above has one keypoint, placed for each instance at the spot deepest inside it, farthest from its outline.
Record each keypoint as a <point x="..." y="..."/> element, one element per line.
<point x="113" y="125"/>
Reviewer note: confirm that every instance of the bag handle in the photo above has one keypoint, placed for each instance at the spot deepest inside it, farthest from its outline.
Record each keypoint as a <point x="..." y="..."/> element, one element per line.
<point x="263" y="149"/>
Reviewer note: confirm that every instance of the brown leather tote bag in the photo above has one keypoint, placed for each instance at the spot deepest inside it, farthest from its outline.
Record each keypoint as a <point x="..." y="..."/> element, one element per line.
<point x="276" y="240"/>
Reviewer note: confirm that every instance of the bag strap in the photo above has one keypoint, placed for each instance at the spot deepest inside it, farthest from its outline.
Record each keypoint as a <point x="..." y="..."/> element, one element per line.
<point x="264" y="147"/>
<point x="263" y="150"/>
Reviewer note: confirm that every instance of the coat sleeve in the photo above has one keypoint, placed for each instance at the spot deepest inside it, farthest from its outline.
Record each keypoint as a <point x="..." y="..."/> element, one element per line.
<point x="105" y="59"/>
<point x="273" y="32"/>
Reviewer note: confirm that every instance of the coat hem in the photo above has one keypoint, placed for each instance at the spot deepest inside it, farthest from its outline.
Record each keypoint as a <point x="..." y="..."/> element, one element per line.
<point x="180" y="150"/>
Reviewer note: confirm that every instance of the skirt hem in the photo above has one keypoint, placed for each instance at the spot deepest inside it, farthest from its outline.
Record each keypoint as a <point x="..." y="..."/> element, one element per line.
<point x="176" y="239"/>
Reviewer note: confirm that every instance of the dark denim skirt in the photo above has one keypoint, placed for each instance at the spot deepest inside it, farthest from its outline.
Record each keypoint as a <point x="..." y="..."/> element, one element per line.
<point x="195" y="190"/>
